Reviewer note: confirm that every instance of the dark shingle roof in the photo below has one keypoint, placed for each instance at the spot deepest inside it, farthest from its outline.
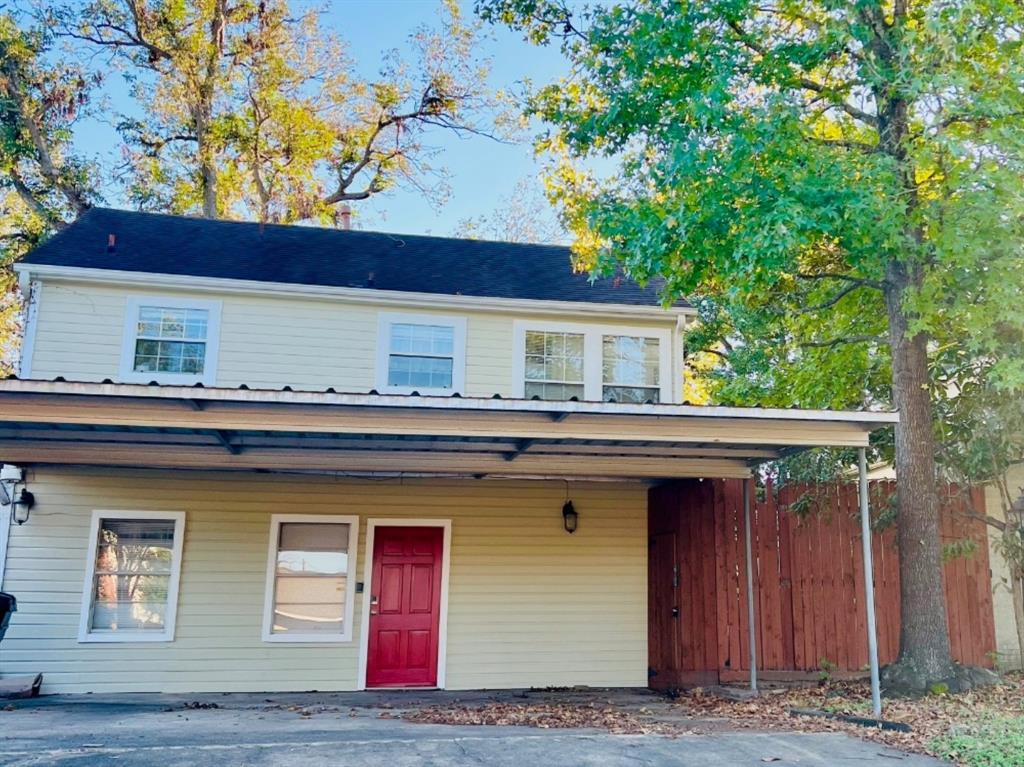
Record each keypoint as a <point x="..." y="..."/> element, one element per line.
<point x="179" y="245"/>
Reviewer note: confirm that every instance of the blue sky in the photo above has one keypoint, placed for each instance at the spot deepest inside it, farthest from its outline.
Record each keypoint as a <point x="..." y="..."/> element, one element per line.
<point x="481" y="171"/>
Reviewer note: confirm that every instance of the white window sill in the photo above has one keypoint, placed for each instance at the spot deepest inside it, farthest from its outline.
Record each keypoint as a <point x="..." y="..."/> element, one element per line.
<point x="121" y="637"/>
<point x="172" y="379"/>
<point x="424" y="391"/>
<point x="308" y="638"/>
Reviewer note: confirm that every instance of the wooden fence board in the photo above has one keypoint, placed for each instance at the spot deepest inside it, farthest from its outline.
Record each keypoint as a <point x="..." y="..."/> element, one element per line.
<point x="809" y="579"/>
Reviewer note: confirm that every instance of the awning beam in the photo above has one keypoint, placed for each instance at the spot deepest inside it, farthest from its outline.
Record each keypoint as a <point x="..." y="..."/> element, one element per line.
<point x="225" y="440"/>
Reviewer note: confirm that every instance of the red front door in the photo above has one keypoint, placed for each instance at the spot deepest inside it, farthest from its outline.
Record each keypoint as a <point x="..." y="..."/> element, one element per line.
<point x="405" y="607"/>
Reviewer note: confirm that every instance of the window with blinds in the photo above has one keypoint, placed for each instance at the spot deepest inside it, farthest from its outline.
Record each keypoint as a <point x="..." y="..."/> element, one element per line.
<point x="134" y="564"/>
<point x="309" y="584"/>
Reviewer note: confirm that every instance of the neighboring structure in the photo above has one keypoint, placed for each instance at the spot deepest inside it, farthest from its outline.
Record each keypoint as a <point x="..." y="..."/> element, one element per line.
<point x="1007" y="647"/>
<point x="286" y="458"/>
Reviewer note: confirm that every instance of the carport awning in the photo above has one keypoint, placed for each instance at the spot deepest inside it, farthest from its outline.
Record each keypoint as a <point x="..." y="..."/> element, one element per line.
<point x="60" y="422"/>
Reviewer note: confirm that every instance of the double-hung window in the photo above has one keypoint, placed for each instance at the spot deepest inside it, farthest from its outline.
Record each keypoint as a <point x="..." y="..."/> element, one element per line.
<point x="131" y="587"/>
<point x="554" y="365"/>
<point x="630" y="369"/>
<point x="170" y="340"/>
<point x="566" y="361"/>
<point x="421" y="353"/>
<point x="310" y="578"/>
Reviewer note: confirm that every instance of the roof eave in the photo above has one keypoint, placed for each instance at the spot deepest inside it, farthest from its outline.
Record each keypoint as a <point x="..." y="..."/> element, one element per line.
<point x="28" y="271"/>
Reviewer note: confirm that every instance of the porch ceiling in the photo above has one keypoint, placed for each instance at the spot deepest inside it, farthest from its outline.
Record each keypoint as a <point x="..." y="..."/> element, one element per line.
<point x="60" y="422"/>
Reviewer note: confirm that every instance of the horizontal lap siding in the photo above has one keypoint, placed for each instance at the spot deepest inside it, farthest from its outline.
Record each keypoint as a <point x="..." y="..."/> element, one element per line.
<point x="529" y="605"/>
<point x="265" y="342"/>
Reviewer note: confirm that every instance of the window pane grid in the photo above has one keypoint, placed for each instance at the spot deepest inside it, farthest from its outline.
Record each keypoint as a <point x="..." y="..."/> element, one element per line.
<point x="161" y="323"/>
<point x="171" y="340"/>
<point x="422" y="340"/>
<point x="554" y="365"/>
<point x="632" y="394"/>
<point x="630" y="361"/>
<point x="131" y="577"/>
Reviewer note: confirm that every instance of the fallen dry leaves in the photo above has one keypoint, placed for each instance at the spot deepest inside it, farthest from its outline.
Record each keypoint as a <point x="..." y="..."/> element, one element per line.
<point x="611" y="718"/>
<point x="928" y="718"/>
<point x="701" y="711"/>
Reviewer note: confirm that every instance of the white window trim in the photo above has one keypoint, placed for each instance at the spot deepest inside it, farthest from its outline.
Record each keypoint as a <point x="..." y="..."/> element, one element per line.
<point x="442" y="620"/>
<point x="208" y="377"/>
<point x="458" y="324"/>
<point x="167" y="635"/>
<point x="593" y="353"/>
<point x="350" y="579"/>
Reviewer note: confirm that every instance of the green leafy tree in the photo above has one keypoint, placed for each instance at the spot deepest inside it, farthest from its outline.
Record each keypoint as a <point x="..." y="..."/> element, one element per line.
<point x="839" y="187"/>
<point x="251" y="109"/>
<point x="39" y="105"/>
<point x="43" y="183"/>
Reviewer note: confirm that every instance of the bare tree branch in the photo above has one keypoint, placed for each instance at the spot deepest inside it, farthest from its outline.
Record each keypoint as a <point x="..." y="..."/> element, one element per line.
<point x="21" y="112"/>
<point x="829" y="91"/>
<point x="844" y="340"/>
<point x="877" y="284"/>
<point x="860" y="146"/>
<point x="852" y="286"/>
<point x="29" y="198"/>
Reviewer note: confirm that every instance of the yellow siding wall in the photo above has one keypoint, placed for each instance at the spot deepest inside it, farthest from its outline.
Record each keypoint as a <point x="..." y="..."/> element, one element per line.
<point x="529" y="605"/>
<point x="267" y="342"/>
<point x="1002" y="600"/>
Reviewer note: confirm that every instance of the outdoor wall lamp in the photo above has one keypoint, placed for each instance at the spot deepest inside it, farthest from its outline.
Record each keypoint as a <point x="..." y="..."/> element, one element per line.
<point x="570" y="517"/>
<point x="21" y="501"/>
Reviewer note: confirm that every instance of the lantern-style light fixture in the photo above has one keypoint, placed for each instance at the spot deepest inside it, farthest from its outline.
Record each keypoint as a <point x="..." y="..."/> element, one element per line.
<point x="570" y="517"/>
<point x="21" y="501"/>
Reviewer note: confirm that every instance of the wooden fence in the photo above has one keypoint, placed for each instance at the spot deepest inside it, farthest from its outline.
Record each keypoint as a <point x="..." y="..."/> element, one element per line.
<point x="808" y="580"/>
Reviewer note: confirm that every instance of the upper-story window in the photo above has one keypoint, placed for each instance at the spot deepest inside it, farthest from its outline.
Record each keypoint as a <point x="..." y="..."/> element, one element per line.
<point x="170" y="340"/>
<point x="630" y="369"/>
<point x="554" y="365"/>
<point x="563" y="361"/>
<point x="421" y="353"/>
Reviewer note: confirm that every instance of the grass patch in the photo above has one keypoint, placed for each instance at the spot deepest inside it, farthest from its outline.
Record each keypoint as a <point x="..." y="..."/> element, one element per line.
<point x="990" y="742"/>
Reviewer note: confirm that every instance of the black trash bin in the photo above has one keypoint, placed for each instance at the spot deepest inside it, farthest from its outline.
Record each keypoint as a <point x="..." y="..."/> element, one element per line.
<point x="8" y="605"/>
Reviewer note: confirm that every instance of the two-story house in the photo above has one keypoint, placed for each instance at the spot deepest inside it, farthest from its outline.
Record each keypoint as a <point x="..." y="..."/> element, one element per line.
<point x="289" y="458"/>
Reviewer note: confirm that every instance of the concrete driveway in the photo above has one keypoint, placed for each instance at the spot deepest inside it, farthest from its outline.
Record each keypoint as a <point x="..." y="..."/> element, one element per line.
<point x="366" y="730"/>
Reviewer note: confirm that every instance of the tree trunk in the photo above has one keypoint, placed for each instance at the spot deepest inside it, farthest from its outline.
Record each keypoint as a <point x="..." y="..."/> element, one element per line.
<point x="204" y="111"/>
<point x="209" y="190"/>
<point x="925" y="656"/>
<point x="1017" y="594"/>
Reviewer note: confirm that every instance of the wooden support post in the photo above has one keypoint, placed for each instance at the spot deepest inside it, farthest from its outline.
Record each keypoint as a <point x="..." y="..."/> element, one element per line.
<point x="751" y="625"/>
<point x="869" y="581"/>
